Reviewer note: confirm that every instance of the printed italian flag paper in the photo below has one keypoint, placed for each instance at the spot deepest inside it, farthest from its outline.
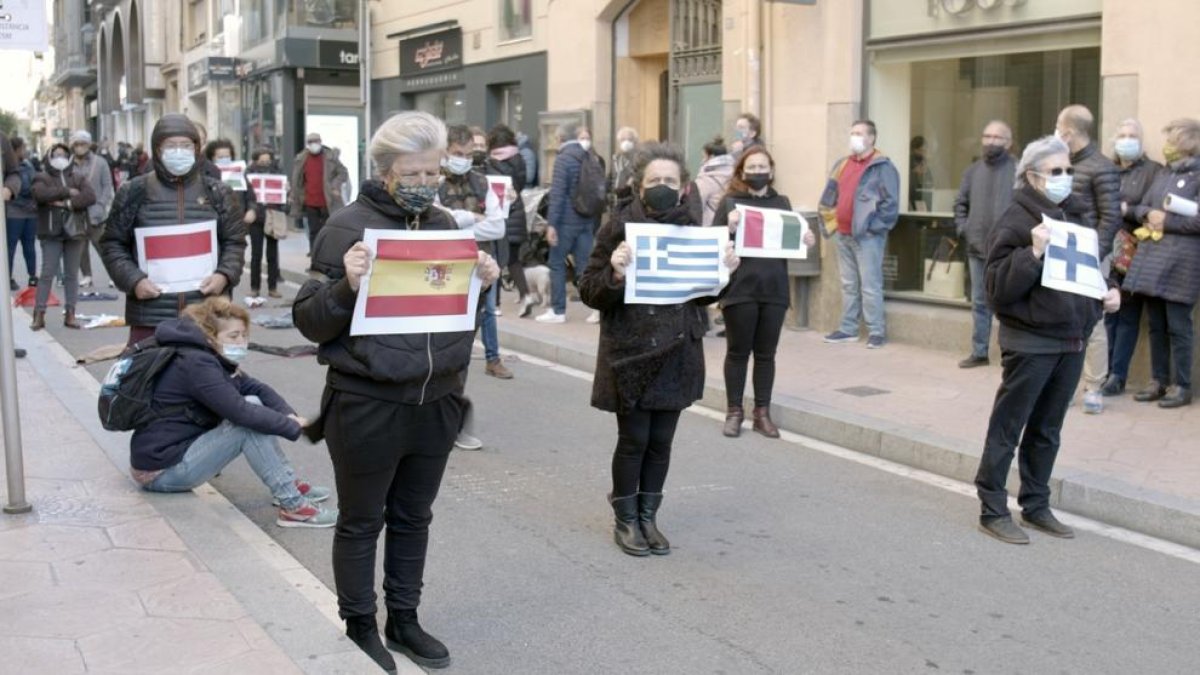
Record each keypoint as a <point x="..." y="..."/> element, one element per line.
<point x="177" y="257"/>
<point x="771" y="233"/>
<point x="419" y="282"/>
<point x="233" y="174"/>
<point x="497" y="204"/>
<point x="268" y="188"/>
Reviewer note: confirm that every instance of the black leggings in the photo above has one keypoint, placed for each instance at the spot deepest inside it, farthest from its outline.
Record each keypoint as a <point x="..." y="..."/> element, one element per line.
<point x="516" y="270"/>
<point x="751" y="327"/>
<point x="643" y="453"/>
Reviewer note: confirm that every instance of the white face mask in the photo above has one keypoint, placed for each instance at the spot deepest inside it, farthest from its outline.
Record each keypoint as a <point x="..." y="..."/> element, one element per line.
<point x="459" y="165"/>
<point x="586" y="144"/>
<point x="60" y="163"/>
<point x="1128" y="148"/>
<point x="224" y="161"/>
<point x="627" y="146"/>
<point x="858" y="144"/>
<point x="315" y="148"/>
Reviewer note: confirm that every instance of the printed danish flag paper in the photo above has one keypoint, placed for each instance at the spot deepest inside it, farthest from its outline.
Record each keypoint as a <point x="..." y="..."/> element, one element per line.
<point x="177" y="257"/>
<point x="268" y="188"/>
<point x="419" y="282"/>
<point x="771" y="233"/>
<point x="497" y="204"/>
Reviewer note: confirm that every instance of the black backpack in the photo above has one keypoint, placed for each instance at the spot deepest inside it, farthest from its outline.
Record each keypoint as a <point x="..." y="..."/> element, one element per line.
<point x="590" y="188"/>
<point x="127" y="392"/>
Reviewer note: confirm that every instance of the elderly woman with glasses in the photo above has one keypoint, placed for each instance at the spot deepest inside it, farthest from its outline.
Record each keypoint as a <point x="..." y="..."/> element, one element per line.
<point x="392" y="405"/>
<point x="1043" y="335"/>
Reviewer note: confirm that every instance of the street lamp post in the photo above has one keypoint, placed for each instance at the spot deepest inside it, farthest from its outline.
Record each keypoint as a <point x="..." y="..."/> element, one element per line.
<point x="14" y="465"/>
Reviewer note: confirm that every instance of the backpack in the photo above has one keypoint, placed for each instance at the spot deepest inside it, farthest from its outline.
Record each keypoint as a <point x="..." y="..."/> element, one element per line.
<point x="590" y="188"/>
<point x="127" y="392"/>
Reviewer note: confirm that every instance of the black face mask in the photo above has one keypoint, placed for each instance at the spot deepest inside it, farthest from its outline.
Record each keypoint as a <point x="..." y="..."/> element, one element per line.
<point x="757" y="181"/>
<point x="993" y="152"/>
<point x="478" y="158"/>
<point x="660" y="198"/>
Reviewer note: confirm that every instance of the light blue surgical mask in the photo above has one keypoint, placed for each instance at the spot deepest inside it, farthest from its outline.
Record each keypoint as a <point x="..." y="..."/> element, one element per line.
<point x="178" y="161"/>
<point x="1058" y="188"/>
<point x="1128" y="149"/>
<point x="234" y="352"/>
<point x="458" y="165"/>
<point x="224" y="161"/>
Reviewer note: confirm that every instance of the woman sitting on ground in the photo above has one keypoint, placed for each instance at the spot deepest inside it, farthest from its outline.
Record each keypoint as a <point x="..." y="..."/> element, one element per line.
<point x="212" y="412"/>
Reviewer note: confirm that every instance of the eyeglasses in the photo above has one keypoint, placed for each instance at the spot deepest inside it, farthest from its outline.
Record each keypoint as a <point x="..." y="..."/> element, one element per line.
<point x="186" y="147"/>
<point x="1058" y="171"/>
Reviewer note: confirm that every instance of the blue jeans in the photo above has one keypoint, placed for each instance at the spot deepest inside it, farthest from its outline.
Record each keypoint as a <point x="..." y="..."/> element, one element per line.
<point x="981" y="334"/>
<point x="860" y="263"/>
<point x="22" y="231"/>
<point x="217" y="448"/>
<point x="487" y="324"/>
<point x="1123" y="330"/>
<point x="577" y="242"/>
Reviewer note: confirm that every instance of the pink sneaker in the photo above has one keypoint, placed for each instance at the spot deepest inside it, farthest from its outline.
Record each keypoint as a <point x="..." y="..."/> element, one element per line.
<point x="308" y="515"/>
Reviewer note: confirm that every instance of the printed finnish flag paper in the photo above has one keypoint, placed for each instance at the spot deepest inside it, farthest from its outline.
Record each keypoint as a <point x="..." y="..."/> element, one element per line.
<point x="1072" y="260"/>
<point x="770" y="233"/>
<point x="177" y="257"/>
<point x="419" y="282"/>
<point x="497" y="203"/>
<point x="268" y="188"/>
<point x="233" y="174"/>
<point x="673" y="264"/>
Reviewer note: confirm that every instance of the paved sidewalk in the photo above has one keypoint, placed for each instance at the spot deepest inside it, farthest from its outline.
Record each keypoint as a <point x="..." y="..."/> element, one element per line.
<point x="104" y="578"/>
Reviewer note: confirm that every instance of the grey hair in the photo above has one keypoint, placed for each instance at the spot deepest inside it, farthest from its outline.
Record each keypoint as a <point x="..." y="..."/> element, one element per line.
<point x="1035" y="153"/>
<point x="406" y="133"/>
<point x="1132" y="122"/>
<point x="1184" y="134"/>
<point x="567" y="132"/>
<point x="630" y="131"/>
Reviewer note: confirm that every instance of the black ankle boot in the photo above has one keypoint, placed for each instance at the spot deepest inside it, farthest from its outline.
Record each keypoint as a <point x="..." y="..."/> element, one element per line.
<point x="364" y="632"/>
<point x="648" y="503"/>
<point x="626" y="531"/>
<point x="404" y="634"/>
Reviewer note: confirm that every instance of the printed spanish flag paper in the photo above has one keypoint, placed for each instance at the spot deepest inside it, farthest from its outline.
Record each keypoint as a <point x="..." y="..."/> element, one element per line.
<point x="771" y="233"/>
<point x="177" y="257"/>
<point x="419" y="282"/>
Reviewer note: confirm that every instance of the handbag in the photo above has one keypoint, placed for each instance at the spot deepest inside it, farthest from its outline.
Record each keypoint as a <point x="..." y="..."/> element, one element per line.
<point x="1124" y="247"/>
<point x="276" y="226"/>
<point x="946" y="280"/>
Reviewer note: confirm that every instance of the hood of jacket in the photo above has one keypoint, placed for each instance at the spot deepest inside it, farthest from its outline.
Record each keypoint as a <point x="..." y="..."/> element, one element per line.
<point x="718" y="163"/>
<point x="51" y="171"/>
<point x="174" y="124"/>
<point x="183" y="332"/>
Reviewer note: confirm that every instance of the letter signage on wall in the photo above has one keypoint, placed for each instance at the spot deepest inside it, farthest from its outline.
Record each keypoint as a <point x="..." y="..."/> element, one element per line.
<point x="431" y="53"/>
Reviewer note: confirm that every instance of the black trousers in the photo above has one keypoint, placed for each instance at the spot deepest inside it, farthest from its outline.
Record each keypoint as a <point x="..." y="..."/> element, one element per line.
<point x="1031" y="403"/>
<point x="751" y="327"/>
<point x="388" y="461"/>
<point x="258" y="241"/>
<point x="1171" y="340"/>
<point x="643" y="453"/>
<point x="516" y="270"/>
<point x="316" y="218"/>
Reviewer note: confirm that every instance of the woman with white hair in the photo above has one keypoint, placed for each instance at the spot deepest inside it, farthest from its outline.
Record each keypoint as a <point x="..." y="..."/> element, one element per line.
<point x="1043" y="335"/>
<point x="1166" y="269"/>
<point x="392" y="405"/>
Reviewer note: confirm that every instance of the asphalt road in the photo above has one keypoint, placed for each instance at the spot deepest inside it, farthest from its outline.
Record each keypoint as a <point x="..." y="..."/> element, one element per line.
<point x="785" y="559"/>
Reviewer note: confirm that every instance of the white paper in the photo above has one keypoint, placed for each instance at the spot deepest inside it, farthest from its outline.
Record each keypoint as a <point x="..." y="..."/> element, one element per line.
<point x="265" y="195"/>
<point x="178" y="274"/>
<point x="1072" y="260"/>
<point x="673" y="264"/>
<point x="361" y="324"/>
<point x="767" y="251"/>
<point x="1180" y="206"/>
<point x="233" y="174"/>
<point x="497" y="203"/>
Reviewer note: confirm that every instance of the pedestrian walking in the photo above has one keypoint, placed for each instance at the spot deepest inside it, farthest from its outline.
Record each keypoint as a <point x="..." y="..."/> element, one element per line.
<point x="1043" y="334"/>
<point x="756" y="300"/>
<point x="650" y="359"/>
<point x="529" y="154"/>
<point x="391" y="408"/>
<point x="63" y="194"/>
<point x="983" y="196"/>
<point x="713" y="179"/>
<point x="96" y="171"/>
<point x="504" y="159"/>
<point x="1138" y="173"/>
<point x="316" y="186"/>
<point x="261" y="240"/>
<point x="211" y="412"/>
<point x="222" y="154"/>
<point x="21" y="214"/>
<point x="860" y="207"/>
<point x="1166" y="268"/>
<point x="176" y="192"/>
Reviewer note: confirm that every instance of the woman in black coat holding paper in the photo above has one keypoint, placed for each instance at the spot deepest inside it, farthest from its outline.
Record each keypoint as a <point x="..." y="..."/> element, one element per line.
<point x="650" y="361"/>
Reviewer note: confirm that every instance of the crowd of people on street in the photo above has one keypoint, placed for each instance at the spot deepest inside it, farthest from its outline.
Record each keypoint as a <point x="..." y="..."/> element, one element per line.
<point x="394" y="406"/>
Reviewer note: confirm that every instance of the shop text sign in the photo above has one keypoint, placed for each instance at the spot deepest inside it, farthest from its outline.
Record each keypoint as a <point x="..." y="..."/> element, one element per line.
<point x="431" y="53"/>
<point x="23" y="25"/>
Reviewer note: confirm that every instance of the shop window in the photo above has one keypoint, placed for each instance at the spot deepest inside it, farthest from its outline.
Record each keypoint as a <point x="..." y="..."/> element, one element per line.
<point x="263" y="108"/>
<point x="195" y="30"/>
<point x="256" y="22"/>
<point x="322" y="13"/>
<point x="949" y="103"/>
<point x="516" y="19"/>
<point x="449" y="105"/>
<point x="220" y="10"/>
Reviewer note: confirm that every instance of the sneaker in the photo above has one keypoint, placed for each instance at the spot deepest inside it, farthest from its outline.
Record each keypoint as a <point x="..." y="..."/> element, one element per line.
<point x="496" y="369"/>
<point x="1005" y="530"/>
<point x="112" y="284"/>
<point x="1113" y="386"/>
<point x="466" y="441"/>
<point x="498" y="311"/>
<point x="594" y="317"/>
<point x="314" y="493"/>
<point x="1045" y="521"/>
<point x="876" y="342"/>
<point x="274" y="294"/>
<point x="308" y="515"/>
<point x="33" y="282"/>
<point x="973" y="362"/>
<point x="527" y="304"/>
<point x="85" y="282"/>
<point x="838" y="337"/>
<point x="1093" y="403"/>
<point x="550" y="317"/>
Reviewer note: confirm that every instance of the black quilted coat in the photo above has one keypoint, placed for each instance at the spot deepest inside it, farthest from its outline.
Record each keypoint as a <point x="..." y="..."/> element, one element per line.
<point x="1169" y="268"/>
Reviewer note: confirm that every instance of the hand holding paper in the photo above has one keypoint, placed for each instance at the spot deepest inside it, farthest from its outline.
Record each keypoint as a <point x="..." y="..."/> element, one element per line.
<point x="357" y="262"/>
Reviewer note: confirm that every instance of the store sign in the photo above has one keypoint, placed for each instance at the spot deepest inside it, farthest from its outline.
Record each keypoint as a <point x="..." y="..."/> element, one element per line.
<point x="446" y="80"/>
<point x="341" y="55"/>
<point x="211" y="69"/>
<point x="431" y="53"/>
<point x="938" y="7"/>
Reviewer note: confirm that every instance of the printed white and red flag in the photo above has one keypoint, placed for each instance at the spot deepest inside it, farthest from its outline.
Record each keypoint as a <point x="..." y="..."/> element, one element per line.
<point x="177" y="258"/>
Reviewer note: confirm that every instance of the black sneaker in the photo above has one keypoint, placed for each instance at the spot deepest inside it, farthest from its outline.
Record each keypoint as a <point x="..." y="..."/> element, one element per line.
<point x="1005" y="530"/>
<point x="973" y="362"/>
<point x="406" y="636"/>
<point x="1045" y="521"/>
<point x="1113" y="386"/>
<point x="33" y="282"/>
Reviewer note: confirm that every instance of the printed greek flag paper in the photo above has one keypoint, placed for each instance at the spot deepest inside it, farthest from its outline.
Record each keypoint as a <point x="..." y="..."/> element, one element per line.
<point x="673" y="264"/>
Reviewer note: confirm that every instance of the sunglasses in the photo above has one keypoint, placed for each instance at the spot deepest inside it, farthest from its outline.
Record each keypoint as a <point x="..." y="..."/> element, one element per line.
<point x="1058" y="171"/>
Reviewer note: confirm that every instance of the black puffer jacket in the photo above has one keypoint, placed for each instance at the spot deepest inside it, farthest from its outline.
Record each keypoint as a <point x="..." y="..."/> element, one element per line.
<point x="516" y="228"/>
<point x="1169" y="268"/>
<point x="1014" y="277"/>
<point x="158" y="199"/>
<point x="411" y="369"/>
<point x="1136" y="180"/>
<point x="52" y="188"/>
<point x="1096" y="194"/>
<point x="650" y="356"/>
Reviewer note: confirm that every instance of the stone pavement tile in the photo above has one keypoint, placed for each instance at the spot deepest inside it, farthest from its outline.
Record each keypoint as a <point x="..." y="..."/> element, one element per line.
<point x="42" y="487"/>
<point x="258" y="662"/>
<point x="199" y="596"/>
<point x="66" y="612"/>
<point x="18" y="578"/>
<point x="117" y="484"/>
<point x="24" y="656"/>
<point x="152" y="533"/>
<point x="49" y="543"/>
<point x="158" y="645"/>
<point x="100" y="511"/>
<point x="121" y="569"/>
